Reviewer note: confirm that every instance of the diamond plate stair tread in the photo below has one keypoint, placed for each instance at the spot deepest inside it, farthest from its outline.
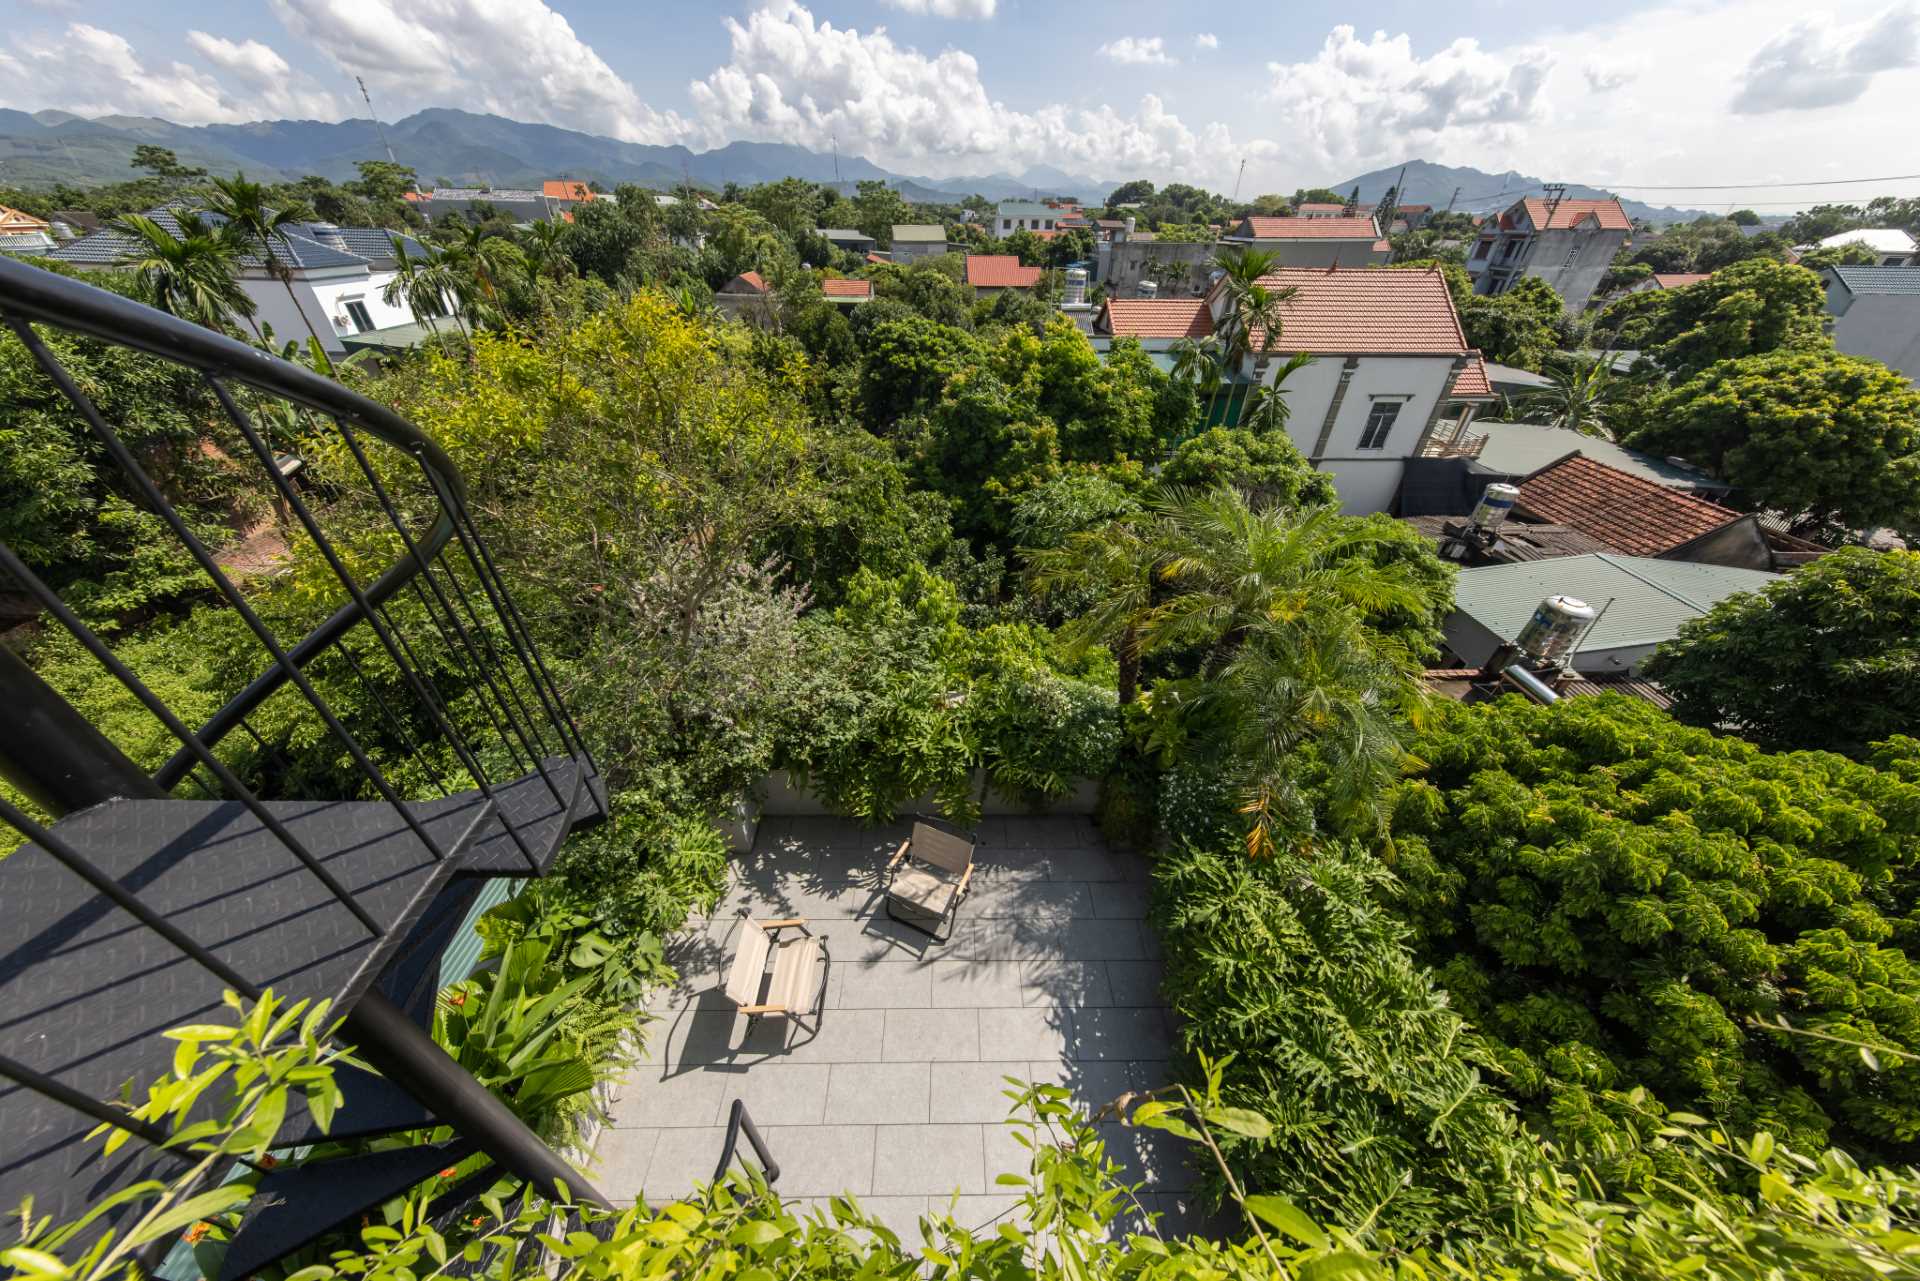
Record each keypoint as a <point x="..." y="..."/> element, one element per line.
<point x="294" y="1206"/>
<point x="85" y="991"/>
<point x="530" y="805"/>
<point x="88" y="990"/>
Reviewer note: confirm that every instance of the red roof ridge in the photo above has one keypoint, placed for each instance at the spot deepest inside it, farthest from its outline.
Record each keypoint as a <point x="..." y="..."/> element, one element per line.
<point x="1632" y="514"/>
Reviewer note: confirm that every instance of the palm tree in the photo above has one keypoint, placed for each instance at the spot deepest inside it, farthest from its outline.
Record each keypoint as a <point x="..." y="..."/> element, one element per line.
<point x="1286" y="607"/>
<point x="404" y="287"/>
<point x="1233" y="567"/>
<point x="244" y="206"/>
<point x="545" y="247"/>
<point x="1321" y="709"/>
<point x="1269" y="410"/>
<point x="193" y="275"/>
<point x="1580" y="395"/>
<point x="437" y="278"/>
<point x="1254" y="310"/>
<point x="1115" y="567"/>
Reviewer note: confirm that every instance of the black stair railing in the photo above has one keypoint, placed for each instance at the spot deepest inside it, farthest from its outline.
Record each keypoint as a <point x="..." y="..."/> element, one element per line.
<point x="149" y="892"/>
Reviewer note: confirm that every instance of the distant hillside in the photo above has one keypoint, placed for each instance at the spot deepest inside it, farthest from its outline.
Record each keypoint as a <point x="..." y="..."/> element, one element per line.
<point x="1483" y="192"/>
<point x="454" y="148"/>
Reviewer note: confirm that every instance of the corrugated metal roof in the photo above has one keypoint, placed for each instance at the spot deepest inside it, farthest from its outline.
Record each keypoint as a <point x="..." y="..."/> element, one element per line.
<point x="1521" y="449"/>
<point x="1645" y="600"/>
<point x="463" y="953"/>
<point x="919" y="232"/>
<point x="1879" y="280"/>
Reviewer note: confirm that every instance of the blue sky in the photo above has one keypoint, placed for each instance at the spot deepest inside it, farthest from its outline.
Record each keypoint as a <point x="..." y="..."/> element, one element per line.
<point x="1660" y="91"/>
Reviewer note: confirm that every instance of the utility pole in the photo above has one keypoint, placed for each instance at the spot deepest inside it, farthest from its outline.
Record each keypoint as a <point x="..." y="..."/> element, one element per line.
<point x="380" y="128"/>
<point x="1450" y="199"/>
<point x="836" y="160"/>
<point x="1237" y="179"/>
<point x="1399" y="198"/>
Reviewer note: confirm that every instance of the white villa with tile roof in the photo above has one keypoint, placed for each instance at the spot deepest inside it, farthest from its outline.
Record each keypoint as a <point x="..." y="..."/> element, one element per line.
<point x="1391" y="370"/>
<point x="336" y="277"/>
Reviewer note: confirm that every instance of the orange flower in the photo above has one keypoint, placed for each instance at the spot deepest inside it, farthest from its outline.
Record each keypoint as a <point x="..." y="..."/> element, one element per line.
<point x="197" y="1232"/>
<point x="269" y="1161"/>
<point x="458" y="998"/>
<point x="447" y="1173"/>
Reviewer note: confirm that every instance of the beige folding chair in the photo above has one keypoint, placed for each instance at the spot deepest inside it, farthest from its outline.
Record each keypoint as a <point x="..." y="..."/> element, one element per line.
<point x="926" y="879"/>
<point x="798" y="982"/>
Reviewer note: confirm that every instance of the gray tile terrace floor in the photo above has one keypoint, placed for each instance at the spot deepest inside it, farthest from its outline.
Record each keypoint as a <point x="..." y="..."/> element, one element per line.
<point x="1051" y="975"/>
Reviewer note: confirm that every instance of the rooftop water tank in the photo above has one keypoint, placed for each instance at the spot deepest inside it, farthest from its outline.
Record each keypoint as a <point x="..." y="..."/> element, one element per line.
<point x="1556" y="629"/>
<point x="1076" y="295"/>
<point x="1494" y="507"/>
<point x="1146" y="289"/>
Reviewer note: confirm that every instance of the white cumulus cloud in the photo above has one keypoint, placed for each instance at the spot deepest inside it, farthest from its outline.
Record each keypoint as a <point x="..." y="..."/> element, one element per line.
<point x="1818" y="62"/>
<point x="1364" y="102"/>
<point x="1604" y="77"/>
<point x="514" y="58"/>
<point x="1206" y="40"/>
<point x="946" y="8"/>
<point x="270" y="87"/>
<point x="93" y="72"/>
<point x="1136" y="50"/>
<point x="793" y="78"/>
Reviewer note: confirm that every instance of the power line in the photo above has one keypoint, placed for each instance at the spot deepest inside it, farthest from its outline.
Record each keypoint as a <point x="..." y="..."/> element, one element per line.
<point x="1755" y="186"/>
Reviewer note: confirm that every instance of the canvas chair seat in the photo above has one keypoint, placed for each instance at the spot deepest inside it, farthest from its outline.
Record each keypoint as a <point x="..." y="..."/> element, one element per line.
<point x="924" y="889"/>
<point x="926" y="879"/>
<point x="798" y="974"/>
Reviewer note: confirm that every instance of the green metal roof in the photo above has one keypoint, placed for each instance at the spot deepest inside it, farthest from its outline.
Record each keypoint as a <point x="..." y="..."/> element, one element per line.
<point x="1643" y="600"/>
<point x="1027" y="209"/>
<point x="1521" y="449"/>
<point x="394" y="336"/>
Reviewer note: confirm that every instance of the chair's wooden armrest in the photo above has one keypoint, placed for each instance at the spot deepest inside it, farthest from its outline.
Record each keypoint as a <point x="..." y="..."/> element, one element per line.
<point x="782" y="923"/>
<point x="763" y="1009"/>
<point x="966" y="879"/>
<point x="899" y="854"/>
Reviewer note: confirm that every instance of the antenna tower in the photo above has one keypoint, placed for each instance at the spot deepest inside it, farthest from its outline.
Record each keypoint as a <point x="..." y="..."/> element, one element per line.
<point x="380" y="128"/>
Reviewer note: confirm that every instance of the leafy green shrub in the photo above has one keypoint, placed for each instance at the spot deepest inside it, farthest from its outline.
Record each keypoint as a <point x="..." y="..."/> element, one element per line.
<point x="1373" y="1084"/>
<point x="642" y="871"/>
<point x="1615" y="899"/>
<point x="1266" y="467"/>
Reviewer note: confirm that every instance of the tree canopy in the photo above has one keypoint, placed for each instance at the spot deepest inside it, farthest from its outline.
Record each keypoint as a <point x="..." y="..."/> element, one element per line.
<point x="1826" y="658"/>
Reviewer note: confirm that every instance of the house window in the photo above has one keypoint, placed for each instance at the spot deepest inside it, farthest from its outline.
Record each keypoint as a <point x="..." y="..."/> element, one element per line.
<point x="1380" y="419"/>
<point x="1480" y="248"/>
<point x="1573" y="254"/>
<point x="357" y="313"/>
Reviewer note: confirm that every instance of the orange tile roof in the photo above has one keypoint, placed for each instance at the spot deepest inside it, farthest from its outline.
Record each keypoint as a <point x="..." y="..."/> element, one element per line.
<point x="1679" y="279"/>
<point x="563" y="190"/>
<point x="1312" y="228"/>
<point x="842" y="287"/>
<point x="14" y="221"/>
<point x="1473" y="381"/>
<point x="1628" y="513"/>
<point x="751" y="279"/>
<point x="1349" y="310"/>
<point x="874" y="257"/>
<point x="1000" y="271"/>
<point x="1156" y="318"/>
<point x="1568" y="213"/>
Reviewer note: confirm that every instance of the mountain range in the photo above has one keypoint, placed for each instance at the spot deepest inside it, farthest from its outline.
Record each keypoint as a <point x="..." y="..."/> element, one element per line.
<point x="1470" y="190"/>
<point x="447" y="147"/>
<point x="458" y="148"/>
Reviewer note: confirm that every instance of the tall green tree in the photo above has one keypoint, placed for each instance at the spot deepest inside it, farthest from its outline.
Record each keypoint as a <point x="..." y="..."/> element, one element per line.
<point x="1744" y="310"/>
<point x="245" y="207"/>
<point x="1828" y="439"/>
<point x="1827" y="658"/>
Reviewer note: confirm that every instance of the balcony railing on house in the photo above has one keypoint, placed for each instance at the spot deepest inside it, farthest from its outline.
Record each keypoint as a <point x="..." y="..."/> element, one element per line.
<point x="141" y="895"/>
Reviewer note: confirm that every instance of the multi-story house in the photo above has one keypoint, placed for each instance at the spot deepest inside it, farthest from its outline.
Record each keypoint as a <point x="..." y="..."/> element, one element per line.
<point x="1567" y="243"/>
<point x="1023" y="215"/>
<point x="1391" y="367"/>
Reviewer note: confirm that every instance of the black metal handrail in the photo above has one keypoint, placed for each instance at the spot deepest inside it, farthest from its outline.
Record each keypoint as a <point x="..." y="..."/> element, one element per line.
<point x="737" y="1121"/>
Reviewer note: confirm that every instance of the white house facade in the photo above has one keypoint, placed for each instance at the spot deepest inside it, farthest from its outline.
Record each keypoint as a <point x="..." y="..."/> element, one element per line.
<point x="329" y="281"/>
<point x="1391" y="369"/>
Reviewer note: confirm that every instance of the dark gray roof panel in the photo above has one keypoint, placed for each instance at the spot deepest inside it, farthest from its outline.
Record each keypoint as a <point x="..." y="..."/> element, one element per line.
<point x="1879" y="280"/>
<point x="296" y="248"/>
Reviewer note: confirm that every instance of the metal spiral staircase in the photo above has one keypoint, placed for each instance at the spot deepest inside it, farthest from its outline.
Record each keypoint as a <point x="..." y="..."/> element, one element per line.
<point x="139" y="897"/>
